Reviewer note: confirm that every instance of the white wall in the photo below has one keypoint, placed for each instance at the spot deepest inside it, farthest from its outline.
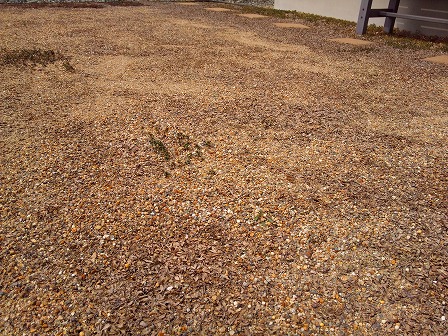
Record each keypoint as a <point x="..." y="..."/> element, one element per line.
<point x="349" y="10"/>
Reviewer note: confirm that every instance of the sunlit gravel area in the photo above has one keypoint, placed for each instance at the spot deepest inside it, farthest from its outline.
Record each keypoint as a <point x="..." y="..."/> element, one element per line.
<point x="171" y="170"/>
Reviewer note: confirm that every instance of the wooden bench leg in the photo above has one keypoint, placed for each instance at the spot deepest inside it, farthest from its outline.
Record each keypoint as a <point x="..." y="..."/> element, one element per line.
<point x="390" y="21"/>
<point x="363" y="18"/>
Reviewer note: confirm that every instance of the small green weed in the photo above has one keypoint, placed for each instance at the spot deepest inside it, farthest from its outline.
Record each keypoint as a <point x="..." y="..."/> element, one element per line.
<point x="67" y="66"/>
<point x="192" y="150"/>
<point x="33" y="57"/>
<point x="258" y="216"/>
<point x="159" y="147"/>
<point x="185" y="150"/>
<point x="183" y="140"/>
<point x="198" y="150"/>
<point x="263" y="219"/>
<point x="207" y="144"/>
<point x="30" y="56"/>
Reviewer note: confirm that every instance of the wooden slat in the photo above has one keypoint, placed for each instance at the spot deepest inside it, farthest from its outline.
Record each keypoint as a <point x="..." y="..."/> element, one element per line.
<point x="412" y="17"/>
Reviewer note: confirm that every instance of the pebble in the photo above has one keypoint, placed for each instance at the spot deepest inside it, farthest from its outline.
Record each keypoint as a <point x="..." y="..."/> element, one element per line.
<point x="143" y="324"/>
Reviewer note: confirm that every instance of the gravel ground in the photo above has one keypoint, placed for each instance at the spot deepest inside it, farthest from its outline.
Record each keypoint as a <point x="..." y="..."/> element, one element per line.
<point x="169" y="170"/>
<point x="261" y="3"/>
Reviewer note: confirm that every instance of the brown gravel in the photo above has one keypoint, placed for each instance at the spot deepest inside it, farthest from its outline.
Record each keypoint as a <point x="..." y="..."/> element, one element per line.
<point x="202" y="173"/>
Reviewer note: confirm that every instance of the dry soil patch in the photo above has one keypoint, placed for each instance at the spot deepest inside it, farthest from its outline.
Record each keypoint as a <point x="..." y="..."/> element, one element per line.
<point x="290" y="25"/>
<point x="352" y="41"/>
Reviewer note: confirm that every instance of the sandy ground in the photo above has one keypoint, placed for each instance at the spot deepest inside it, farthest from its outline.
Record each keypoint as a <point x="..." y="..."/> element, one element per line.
<point x="177" y="171"/>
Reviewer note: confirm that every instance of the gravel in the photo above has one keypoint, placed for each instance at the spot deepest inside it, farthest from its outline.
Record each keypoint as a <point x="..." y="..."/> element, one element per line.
<point x="176" y="171"/>
<point x="260" y="3"/>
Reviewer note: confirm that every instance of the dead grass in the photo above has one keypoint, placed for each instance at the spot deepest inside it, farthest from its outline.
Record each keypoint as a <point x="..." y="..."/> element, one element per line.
<point x="160" y="148"/>
<point x="407" y="40"/>
<point x="33" y="57"/>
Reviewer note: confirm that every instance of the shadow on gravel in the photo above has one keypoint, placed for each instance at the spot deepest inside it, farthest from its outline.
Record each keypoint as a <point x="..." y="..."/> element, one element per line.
<point x="73" y="4"/>
<point x="33" y="57"/>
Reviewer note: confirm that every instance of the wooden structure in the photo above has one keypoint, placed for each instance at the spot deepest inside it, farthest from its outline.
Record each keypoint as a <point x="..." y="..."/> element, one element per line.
<point x="390" y="13"/>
